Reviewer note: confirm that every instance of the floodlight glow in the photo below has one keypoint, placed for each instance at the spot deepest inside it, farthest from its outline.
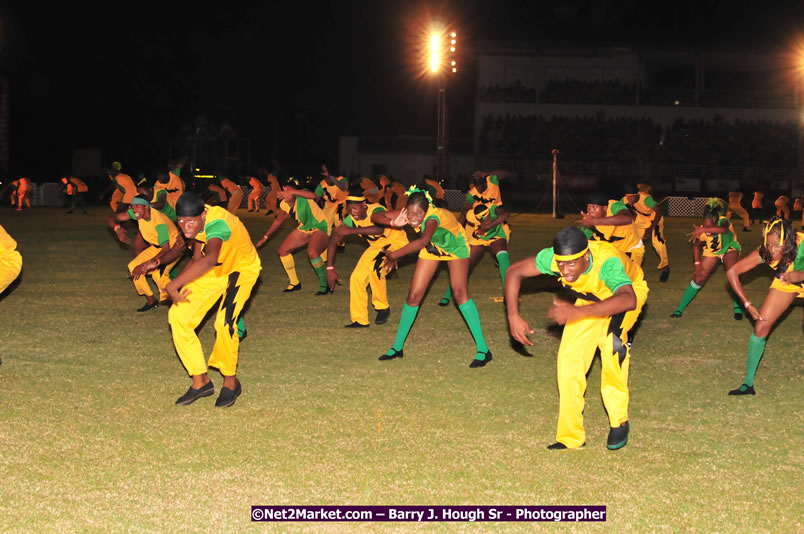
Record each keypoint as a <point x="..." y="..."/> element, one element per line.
<point x="454" y="69"/>
<point x="435" y="52"/>
<point x="453" y="35"/>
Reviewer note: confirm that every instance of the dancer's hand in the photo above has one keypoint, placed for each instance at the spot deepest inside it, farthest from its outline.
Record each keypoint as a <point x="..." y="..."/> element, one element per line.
<point x="562" y="311"/>
<point x="332" y="279"/>
<point x="519" y="329"/>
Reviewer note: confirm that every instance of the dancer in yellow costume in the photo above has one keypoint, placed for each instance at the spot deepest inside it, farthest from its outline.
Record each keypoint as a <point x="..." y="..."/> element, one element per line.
<point x="257" y="189"/>
<point x="611" y="221"/>
<point x="313" y="231"/>
<point x="783" y="207"/>
<point x="368" y="271"/>
<point x="159" y="197"/>
<point x="225" y="266"/>
<point x="610" y="292"/>
<point x="486" y="225"/>
<point x="442" y="240"/>
<point x="782" y="250"/>
<point x="124" y="189"/>
<point x="171" y="183"/>
<point x="235" y="194"/>
<point x="334" y="190"/>
<point x="649" y="222"/>
<point x="714" y="241"/>
<point x="10" y="260"/>
<point x="160" y="236"/>
<point x="735" y="206"/>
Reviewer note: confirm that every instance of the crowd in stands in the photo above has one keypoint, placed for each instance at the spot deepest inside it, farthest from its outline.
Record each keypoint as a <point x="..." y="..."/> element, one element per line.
<point x="612" y="92"/>
<point x="601" y="139"/>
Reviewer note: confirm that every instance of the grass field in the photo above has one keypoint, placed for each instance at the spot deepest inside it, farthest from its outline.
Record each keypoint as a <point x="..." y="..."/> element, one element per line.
<point x="90" y="439"/>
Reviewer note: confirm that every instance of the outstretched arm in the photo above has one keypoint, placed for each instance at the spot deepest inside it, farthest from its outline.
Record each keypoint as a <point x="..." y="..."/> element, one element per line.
<point x="518" y="327"/>
<point x="114" y="223"/>
<point x="280" y="217"/>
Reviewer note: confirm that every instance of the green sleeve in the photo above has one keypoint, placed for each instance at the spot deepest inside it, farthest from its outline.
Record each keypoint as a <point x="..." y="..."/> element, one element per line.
<point x="160" y="193"/>
<point x="493" y="179"/>
<point x="162" y="234"/>
<point x="612" y="273"/>
<point x="131" y="214"/>
<point x="349" y="222"/>
<point x="544" y="261"/>
<point x="433" y="216"/>
<point x="218" y="228"/>
<point x="492" y="211"/>
<point x="177" y="171"/>
<point x="587" y="232"/>
<point x="649" y="202"/>
<point x="319" y="191"/>
<point x="470" y="199"/>
<point x="798" y="263"/>
<point x="723" y="221"/>
<point x="617" y="207"/>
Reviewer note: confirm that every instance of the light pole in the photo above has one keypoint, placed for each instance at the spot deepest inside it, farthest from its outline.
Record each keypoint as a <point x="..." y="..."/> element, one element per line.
<point x="439" y="55"/>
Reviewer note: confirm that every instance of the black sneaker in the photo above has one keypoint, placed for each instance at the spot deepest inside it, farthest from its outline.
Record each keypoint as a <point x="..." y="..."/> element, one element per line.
<point x="356" y="325"/>
<point x="743" y="390"/>
<point x="665" y="275"/>
<point x="394" y="354"/>
<point x="675" y="315"/>
<point x="443" y="302"/>
<point x="148" y="307"/>
<point x="738" y="316"/>
<point x="193" y="395"/>
<point x="244" y="335"/>
<point x="382" y="316"/>
<point x="481" y="363"/>
<point x="618" y="437"/>
<point x="228" y="396"/>
<point x="288" y="289"/>
<point x="326" y="291"/>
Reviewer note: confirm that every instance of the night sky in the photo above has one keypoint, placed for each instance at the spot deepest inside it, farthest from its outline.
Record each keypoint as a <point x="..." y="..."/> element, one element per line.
<point x="291" y="76"/>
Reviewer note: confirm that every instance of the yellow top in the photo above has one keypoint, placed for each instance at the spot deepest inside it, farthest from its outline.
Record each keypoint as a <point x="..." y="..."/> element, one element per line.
<point x="157" y="230"/>
<point x="237" y="251"/>
<point x="624" y="237"/>
<point x="391" y="236"/>
<point x="609" y="269"/>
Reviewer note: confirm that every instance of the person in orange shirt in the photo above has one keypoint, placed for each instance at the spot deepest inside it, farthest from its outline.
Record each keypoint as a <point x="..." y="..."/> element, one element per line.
<point x="216" y="192"/>
<point x="798" y="205"/>
<point x="783" y="207"/>
<point x="76" y="191"/>
<point x="23" y="193"/>
<point x="257" y="189"/>
<point x="271" y="199"/>
<point x="123" y="186"/>
<point x="235" y="194"/>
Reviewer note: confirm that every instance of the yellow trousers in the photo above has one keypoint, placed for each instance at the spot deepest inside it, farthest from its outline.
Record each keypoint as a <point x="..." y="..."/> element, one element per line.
<point x="365" y="275"/>
<point x="233" y="291"/>
<point x="234" y="201"/>
<point x="741" y="213"/>
<point x="10" y="267"/>
<point x="575" y="355"/>
<point x="637" y="254"/>
<point x="253" y="201"/>
<point x="660" y="245"/>
<point x="161" y="275"/>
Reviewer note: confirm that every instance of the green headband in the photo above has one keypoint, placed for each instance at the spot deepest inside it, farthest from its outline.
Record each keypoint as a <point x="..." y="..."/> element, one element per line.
<point x="139" y="202"/>
<point x="414" y="189"/>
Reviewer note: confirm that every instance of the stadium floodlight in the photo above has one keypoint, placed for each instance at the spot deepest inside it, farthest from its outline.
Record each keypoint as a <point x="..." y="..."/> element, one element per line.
<point x="435" y="52"/>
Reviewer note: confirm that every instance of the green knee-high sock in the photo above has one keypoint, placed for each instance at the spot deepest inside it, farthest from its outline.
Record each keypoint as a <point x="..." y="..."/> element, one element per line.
<point x="737" y="307"/>
<point x="756" y="347"/>
<point x="320" y="266"/>
<point x="469" y="311"/>
<point x="241" y="326"/>
<point x="406" y="320"/>
<point x="689" y="294"/>
<point x="447" y="295"/>
<point x="504" y="262"/>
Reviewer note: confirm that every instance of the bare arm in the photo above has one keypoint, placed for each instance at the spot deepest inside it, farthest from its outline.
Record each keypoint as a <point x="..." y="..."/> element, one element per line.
<point x="278" y="220"/>
<point x="623" y="300"/>
<point x="743" y="266"/>
<point x="517" y="326"/>
<point x="114" y="223"/>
